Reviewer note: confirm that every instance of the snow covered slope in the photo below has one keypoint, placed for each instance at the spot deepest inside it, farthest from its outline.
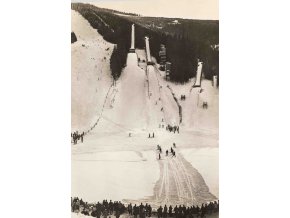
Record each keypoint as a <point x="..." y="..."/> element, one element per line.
<point x="90" y="73"/>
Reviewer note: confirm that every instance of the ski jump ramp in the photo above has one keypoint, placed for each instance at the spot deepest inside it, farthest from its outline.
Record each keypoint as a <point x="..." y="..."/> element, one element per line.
<point x="198" y="75"/>
<point x="148" y="55"/>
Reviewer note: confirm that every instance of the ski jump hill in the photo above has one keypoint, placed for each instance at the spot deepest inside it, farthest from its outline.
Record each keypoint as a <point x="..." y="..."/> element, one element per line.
<point x="118" y="160"/>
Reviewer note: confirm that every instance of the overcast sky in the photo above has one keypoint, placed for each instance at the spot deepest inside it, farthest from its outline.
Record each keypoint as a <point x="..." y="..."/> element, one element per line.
<point x="193" y="9"/>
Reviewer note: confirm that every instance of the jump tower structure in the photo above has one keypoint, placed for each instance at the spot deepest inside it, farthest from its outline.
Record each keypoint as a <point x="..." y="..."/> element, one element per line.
<point x="132" y="49"/>
<point x="147" y="46"/>
<point x="148" y="55"/>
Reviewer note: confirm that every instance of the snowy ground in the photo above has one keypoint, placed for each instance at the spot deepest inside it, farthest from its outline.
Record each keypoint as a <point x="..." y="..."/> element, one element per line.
<point x="112" y="165"/>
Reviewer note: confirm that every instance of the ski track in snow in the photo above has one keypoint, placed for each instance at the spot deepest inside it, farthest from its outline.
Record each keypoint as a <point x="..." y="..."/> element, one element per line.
<point x="176" y="184"/>
<point x="179" y="183"/>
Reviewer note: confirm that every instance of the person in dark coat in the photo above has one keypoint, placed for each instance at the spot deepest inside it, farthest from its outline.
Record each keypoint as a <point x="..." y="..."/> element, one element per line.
<point x="85" y="212"/>
<point x="165" y="211"/>
<point x="130" y="209"/>
<point x="202" y="211"/>
<point x="110" y="207"/>
<point x="180" y="211"/>
<point x="175" y="211"/>
<point x="149" y="210"/>
<point x="142" y="211"/>
<point x="170" y="211"/>
<point x="146" y="209"/>
<point x="94" y="212"/>
<point x="159" y="212"/>
<point x="135" y="211"/>
<point x="98" y="212"/>
<point x="117" y="213"/>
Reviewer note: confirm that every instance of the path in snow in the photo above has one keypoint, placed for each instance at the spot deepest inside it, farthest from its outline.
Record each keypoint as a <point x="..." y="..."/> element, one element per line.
<point x="179" y="183"/>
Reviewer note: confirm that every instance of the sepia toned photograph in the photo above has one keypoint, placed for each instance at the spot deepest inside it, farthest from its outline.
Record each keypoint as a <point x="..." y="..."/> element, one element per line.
<point x="144" y="109"/>
<point x="155" y="130"/>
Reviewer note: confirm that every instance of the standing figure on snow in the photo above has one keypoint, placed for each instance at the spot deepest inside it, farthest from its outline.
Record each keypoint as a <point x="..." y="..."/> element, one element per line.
<point x="176" y="211"/>
<point x="149" y="210"/>
<point x="149" y="136"/>
<point x="159" y="156"/>
<point x="159" y="212"/>
<point x="170" y="211"/>
<point x="130" y="209"/>
<point x="166" y="152"/>
<point x="153" y="135"/>
<point x="135" y="211"/>
<point x="165" y="211"/>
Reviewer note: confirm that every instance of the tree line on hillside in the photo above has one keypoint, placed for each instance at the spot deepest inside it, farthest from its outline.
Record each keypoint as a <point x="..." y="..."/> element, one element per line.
<point x="183" y="49"/>
<point x="112" y="29"/>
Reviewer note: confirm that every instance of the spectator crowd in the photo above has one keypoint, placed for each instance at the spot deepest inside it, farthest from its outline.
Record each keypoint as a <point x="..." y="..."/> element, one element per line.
<point x="172" y="128"/>
<point x="75" y="136"/>
<point x="107" y="209"/>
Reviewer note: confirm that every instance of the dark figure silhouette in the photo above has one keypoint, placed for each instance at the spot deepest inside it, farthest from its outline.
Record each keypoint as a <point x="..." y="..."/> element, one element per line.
<point x="159" y="212"/>
<point x="170" y="211"/>
<point x="165" y="211"/>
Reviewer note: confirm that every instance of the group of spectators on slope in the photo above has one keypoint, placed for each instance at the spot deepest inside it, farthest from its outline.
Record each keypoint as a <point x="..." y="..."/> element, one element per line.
<point x="98" y="210"/>
<point x="107" y="209"/>
<point x="75" y="136"/>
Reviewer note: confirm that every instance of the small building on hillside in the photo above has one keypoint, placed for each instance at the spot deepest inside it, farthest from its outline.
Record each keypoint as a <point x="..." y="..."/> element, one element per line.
<point x="167" y="70"/>
<point x="162" y="55"/>
<point x="215" y="81"/>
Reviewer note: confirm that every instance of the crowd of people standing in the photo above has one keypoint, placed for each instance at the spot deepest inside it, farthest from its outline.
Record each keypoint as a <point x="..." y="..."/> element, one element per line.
<point x="104" y="209"/>
<point x="188" y="212"/>
<point x="172" y="151"/>
<point x="75" y="136"/>
<point x="107" y="209"/>
<point x="182" y="97"/>
<point x="172" y="128"/>
<point x="141" y="210"/>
